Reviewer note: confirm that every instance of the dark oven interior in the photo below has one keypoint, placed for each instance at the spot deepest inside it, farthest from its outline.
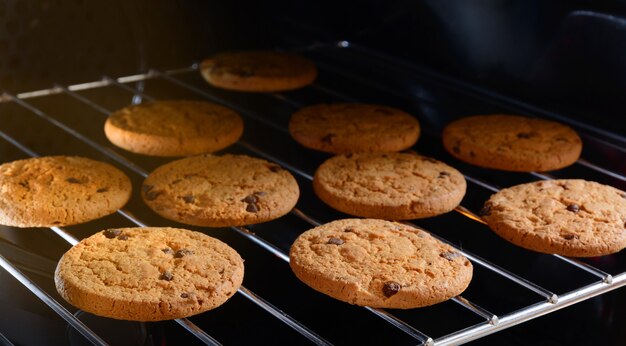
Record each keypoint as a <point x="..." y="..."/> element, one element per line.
<point x="65" y="65"/>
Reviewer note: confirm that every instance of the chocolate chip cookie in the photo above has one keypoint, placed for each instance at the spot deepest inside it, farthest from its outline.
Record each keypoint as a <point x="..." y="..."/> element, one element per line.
<point x="59" y="191"/>
<point x="379" y="263"/>
<point x="575" y="218"/>
<point x="393" y="186"/>
<point x="258" y="71"/>
<point x="512" y="143"/>
<point x="216" y="191"/>
<point x="354" y="128"/>
<point x="148" y="274"/>
<point x="174" y="128"/>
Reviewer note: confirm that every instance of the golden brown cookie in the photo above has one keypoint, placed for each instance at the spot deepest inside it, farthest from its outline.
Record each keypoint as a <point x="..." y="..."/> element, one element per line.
<point x="354" y="128"/>
<point x="575" y="218"/>
<point x="148" y="274"/>
<point x="174" y="128"/>
<point x="59" y="191"/>
<point x="216" y="191"/>
<point x="392" y="186"/>
<point x="379" y="263"/>
<point x="258" y="71"/>
<point x="512" y="142"/>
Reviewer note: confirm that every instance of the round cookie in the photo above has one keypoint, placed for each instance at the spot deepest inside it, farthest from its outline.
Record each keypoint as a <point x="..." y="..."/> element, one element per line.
<point x="575" y="218"/>
<point x="217" y="191"/>
<point x="392" y="186"/>
<point x="379" y="263"/>
<point x="512" y="143"/>
<point x="59" y="191"/>
<point x="353" y="128"/>
<point x="258" y="71"/>
<point x="173" y="128"/>
<point x="148" y="274"/>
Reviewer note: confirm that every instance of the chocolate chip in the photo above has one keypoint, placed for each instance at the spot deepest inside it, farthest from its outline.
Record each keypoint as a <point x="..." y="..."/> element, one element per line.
<point x="167" y="251"/>
<point x="444" y="174"/>
<point x="189" y="199"/>
<point x="102" y="189"/>
<point x="569" y="236"/>
<point x="328" y="139"/>
<point x="564" y="186"/>
<point x="184" y="295"/>
<point x="472" y="154"/>
<point x="167" y="276"/>
<point x="573" y="207"/>
<point x="456" y="149"/>
<point x="335" y="241"/>
<point x="485" y="211"/>
<point x="260" y="193"/>
<point x="177" y="181"/>
<point x="385" y="156"/>
<point x="24" y="183"/>
<point x="250" y="199"/>
<point x="182" y="253"/>
<point x="391" y="288"/>
<point x="274" y="168"/>
<point x="252" y="208"/>
<point x="623" y="195"/>
<point x="152" y="195"/>
<point x="349" y="155"/>
<point x="524" y="135"/>
<point x="349" y="229"/>
<point x="112" y="233"/>
<point x="450" y="255"/>
<point x="73" y="180"/>
<point x="123" y="237"/>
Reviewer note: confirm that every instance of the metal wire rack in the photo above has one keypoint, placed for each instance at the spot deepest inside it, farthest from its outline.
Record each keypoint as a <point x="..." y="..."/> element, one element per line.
<point x="331" y="59"/>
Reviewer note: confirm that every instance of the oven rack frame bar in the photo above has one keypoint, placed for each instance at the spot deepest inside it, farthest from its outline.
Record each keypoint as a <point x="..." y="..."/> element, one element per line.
<point x="460" y="336"/>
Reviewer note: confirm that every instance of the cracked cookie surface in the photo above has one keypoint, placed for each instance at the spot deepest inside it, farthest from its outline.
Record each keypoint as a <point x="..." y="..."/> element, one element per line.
<point x="354" y="128"/>
<point x="574" y="217"/>
<point x="59" y="191"/>
<point x="379" y="263"/>
<point x="148" y="274"/>
<point x="217" y="191"/>
<point x="393" y="186"/>
<point x="173" y="128"/>
<point x="258" y="71"/>
<point x="512" y="142"/>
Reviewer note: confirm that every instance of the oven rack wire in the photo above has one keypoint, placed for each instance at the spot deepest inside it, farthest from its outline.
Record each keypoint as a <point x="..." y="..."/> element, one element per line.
<point x="491" y="322"/>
